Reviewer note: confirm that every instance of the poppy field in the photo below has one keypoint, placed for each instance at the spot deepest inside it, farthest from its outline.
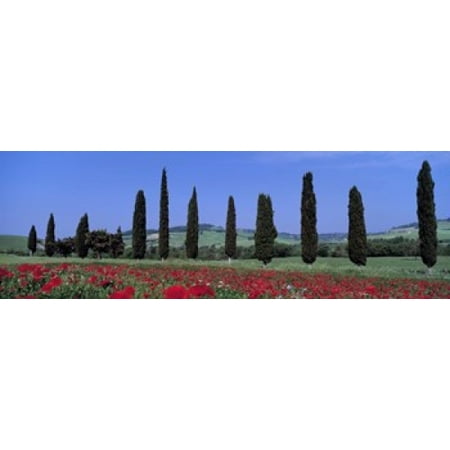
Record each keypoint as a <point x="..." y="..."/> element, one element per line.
<point x="123" y="281"/>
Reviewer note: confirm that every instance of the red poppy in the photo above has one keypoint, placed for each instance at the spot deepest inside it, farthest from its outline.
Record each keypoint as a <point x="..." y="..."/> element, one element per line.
<point x="5" y="273"/>
<point x="127" y="292"/>
<point x="201" y="291"/>
<point x="175" y="292"/>
<point x="50" y="285"/>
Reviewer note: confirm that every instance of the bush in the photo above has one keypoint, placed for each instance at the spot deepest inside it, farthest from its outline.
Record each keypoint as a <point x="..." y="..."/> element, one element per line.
<point x="323" y="250"/>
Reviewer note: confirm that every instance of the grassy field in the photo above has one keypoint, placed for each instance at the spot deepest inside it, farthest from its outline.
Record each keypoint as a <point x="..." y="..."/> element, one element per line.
<point x="244" y="238"/>
<point x="9" y="242"/>
<point x="208" y="238"/>
<point x="412" y="233"/>
<point x="390" y="267"/>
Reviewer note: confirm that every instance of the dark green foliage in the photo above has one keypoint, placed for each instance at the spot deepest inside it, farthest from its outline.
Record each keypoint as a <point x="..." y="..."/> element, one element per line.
<point x="357" y="237"/>
<point x="309" y="236"/>
<point x="230" y="232"/>
<point x="139" y="238"/>
<point x="163" y="236"/>
<point x="65" y="247"/>
<point x="117" y="245"/>
<point x="427" y="216"/>
<point x="339" y="251"/>
<point x="81" y="246"/>
<point x="398" y="246"/>
<point x="50" y="245"/>
<point x="32" y="240"/>
<point x="323" y="251"/>
<point x="266" y="232"/>
<point x="191" y="242"/>
<point x="99" y="241"/>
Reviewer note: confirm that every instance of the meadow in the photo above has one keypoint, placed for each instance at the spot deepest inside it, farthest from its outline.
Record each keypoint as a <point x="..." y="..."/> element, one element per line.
<point x="384" y="267"/>
<point x="22" y="277"/>
<point x="287" y="277"/>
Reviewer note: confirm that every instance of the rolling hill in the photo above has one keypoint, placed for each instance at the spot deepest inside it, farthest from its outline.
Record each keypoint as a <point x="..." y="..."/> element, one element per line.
<point x="215" y="235"/>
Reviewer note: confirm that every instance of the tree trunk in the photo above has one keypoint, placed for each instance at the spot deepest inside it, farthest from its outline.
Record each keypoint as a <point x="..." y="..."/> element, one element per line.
<point x="229" y="260"/>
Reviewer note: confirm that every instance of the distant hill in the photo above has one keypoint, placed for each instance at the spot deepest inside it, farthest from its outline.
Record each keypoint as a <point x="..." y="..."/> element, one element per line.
<point x="411" y="231"/>
<point x="11" y="243"/>
<point x="215" y="235"/>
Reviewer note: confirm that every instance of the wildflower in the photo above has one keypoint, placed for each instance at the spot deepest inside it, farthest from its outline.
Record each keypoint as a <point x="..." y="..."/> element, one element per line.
<point x="92" y="279"/>
<point x="201" y="291"/>
<point x="52" y="284"/>
<point x="5" y="273"/>
<point x="127" y="292"/>
<point x="371" y="290"/>
<point x="175" y="292"/>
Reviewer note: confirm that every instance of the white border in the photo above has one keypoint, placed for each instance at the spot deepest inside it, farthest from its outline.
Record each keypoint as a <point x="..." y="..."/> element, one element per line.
<point x="243" y="75"/>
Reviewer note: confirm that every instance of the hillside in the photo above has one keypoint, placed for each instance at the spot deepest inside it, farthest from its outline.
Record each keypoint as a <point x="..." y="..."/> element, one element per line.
<point x="14" y="243"/>
<point x="410" y="231"/>
<point x="215" y="235"/>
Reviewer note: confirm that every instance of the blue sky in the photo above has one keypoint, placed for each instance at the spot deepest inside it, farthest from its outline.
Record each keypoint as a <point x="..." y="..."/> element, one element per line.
<point x="104" y="184"/>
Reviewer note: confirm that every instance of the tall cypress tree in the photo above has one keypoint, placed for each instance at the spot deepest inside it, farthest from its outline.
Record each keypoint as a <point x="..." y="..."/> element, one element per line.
<point x="32" y="241"/>
<point x="309" y="234"/>
<point x="357" y="237"/>
<point x="427" y="216"/>
<point x="81" y="246"/>
<point x="139" y="227"/>
<point x="230" y="231"/>
<point x="191" y="242"/>
<point x="50" y="246"/>
<point x="266" y="232"/>
<point x="163" y="237"/>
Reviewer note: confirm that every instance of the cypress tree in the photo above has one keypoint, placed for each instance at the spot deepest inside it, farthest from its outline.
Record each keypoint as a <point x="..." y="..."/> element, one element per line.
<point x="139" y="227"/>
<point x="163" y="237"/>
<point x="357" y="238"/>
<point x="50" y="245"/>
<point x="309" y="234"/>
<point x="81" y="246"/>
<point x="32" y="241"/>
<point x="266" y="232"/>
<point x="230" y="232"/>
<point x="427" y="216"/>
<point x="191" y="242"/>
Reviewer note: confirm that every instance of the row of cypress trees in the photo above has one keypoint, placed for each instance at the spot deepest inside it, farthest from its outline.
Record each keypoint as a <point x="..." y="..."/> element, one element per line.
<point x="357" y="236"/>
<point x="265" y="233"/>
<point x="98" y="240"/>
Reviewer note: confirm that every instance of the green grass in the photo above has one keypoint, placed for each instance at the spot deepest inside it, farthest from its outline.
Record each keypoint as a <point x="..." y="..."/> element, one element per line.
<point x="208" y="238"/>
<point x="412" y="233"/>
<point x="10" y="242"/>
<point x="388" y="267"/>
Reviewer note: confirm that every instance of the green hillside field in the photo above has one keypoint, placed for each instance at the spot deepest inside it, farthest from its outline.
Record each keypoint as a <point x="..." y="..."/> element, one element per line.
<point x="211" y="235"/>
<point x="12" y="243"/>
<point x="411" y="232"/>
<point x="208" y="238"/>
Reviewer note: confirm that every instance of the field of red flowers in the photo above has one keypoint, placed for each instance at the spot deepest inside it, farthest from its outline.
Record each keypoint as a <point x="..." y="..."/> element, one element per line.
<point x="122" y="281"/>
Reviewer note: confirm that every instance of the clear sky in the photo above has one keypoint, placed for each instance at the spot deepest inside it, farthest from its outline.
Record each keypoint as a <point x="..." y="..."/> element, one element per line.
<point x="104" y="184"/>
